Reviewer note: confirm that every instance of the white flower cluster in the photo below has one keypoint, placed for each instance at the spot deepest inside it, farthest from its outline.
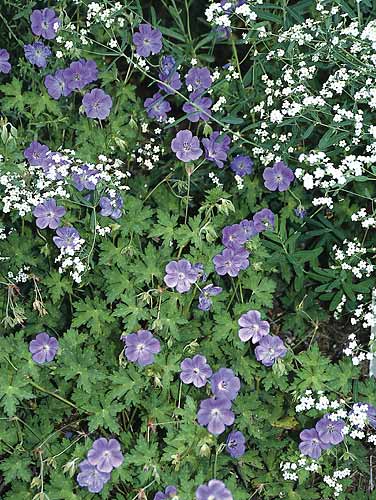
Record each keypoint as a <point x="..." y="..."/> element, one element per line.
<point x="21" y="277"/>
<point x="215" y="180"/>
<point x="113" y="18"/>
<point x="333" y="481"/>
<point x="222" y="15"/>
<point x="326" y="174"/>
<point x="149" y="154"/>
<point x="350" y="258"/>
<point x="290" y="469"/>
<point x="367" y="221"/>
<point x="319" y="403"/>
<point x="71" y="263"/>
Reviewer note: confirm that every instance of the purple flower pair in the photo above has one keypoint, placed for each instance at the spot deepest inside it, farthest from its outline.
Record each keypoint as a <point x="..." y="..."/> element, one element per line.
<point x="76" y="77"/>
<point x="104" y="456"/>
<point x="231" y="261"/>
<point x="141" y="347"/>
<point x="326" y="433"/>
<point x="215" y="413"/>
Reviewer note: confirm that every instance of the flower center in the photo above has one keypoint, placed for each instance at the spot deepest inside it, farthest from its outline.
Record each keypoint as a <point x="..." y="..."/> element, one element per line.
<point x="186" y="146"/>
<point x="140" y="347"/>
<point x="181" y="276"/>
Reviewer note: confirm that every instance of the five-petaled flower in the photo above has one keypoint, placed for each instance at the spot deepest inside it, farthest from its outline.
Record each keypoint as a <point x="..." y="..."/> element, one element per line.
<point x="97" y="104"/>
<point x="43" y="348"/>
<point x="195" y="371"/>
<point x="105" y="454"/>
<point x="48" y="214"/>
<point x="186" y="146"/>
<point x="147" y="40"/>
<point x="180" y="275"/>
<point x="141" y="347"/>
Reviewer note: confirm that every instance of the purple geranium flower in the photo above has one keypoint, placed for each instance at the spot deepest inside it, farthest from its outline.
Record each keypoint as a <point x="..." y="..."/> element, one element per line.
<point x="198" y="79"/>
<point x="180" y="275"/>
<point x="198" y="108"/>
<point x="241" y="165"/>
<point x="45" y="23"/>
<point x="311" y="445"/>
<point x="43" y="348"/>
<point x="141" y="347"/>
<point x="67" y="238"/>
<point x="224" y="384"/>
<point x="233" y="236"/>
<point x="195" y="371"/>
<point x="37" y="54"/>
<point x="157" y="107"/>
<point x="330" y="431"/>
<point x="263" y="219"/>
<point x="56" y="84"/>
<point x="48" y="214"/>
<point x="216" y="148"/>
<point x="80" y="73"/>
<point x="36" y="154"/>
<point x="186" y="146"/>
<point x="253" y="328"/>
<point x="215" y="414"/>
<point x="147" y="40"/>
<point x="169" y="75"/>
<point x="280" y="176"/>
<point x="270" y="349"/>
<point x="97" y="104"/>
<point x="91" y="478"/>
<point x="249" y="229"/>
<point x="5" y="65"/>
<point x="168" y="494"/>
<point x="85" y="178"/>
<point x="111" y="206"/>
<point x="214" y="490"/>
<point x="204" y="300"/>
<point x="231" y="261"/>
<point x="235" y="444"/>
<point x="105" y="455"/>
